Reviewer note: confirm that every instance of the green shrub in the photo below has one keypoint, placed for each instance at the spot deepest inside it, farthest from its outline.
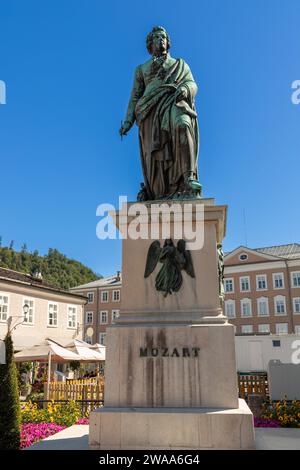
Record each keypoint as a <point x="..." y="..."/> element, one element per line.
<point x="10" y="418"/>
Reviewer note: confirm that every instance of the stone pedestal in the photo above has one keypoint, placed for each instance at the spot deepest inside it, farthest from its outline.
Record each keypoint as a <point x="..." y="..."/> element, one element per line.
<point x="171" y="379"/>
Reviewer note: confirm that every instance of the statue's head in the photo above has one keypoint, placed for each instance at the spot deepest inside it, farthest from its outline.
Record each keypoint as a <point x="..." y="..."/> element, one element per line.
<point x="158" y="41"/>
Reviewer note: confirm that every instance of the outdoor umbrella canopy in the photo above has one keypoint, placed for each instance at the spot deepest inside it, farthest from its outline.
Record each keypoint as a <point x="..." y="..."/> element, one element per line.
<point x="99" y="348"/>
<point x="47" y="352"/>
<point x="41" y="352"/>
<point x="88" y="353"/>
<point x="84" y="350"/>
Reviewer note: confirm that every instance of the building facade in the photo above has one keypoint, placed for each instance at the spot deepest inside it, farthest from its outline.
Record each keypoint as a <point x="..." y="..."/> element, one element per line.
<point x="262" y="289"/>
<point x="262" y="293"/>
<point x="102" y="307"/>
<point x="50" y="312"/>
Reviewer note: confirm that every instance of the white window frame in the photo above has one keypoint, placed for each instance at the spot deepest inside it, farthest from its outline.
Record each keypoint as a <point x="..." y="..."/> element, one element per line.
<point x="248" y="301"/>
<point x="266" y="301"/>
<point x="282" y="278"/>
<point x="276" y="299"/>
<point x="231" y="303"/>
<point x="71" y="327"/>
<point x="101" y="321"/>
<point x="102" y="334"/>
<point x="107" y="293"/>
<point x="113" y="318"/>
<point x="296" y="300"/>
<point x="277" y="329"/>
<point x="93" y="294"/>
<point x="113" y="295"/>
<point x="4" y="294"/>
<point x="24" y="302"/>
<point x="48" y="314"/>
<point x="246" y="332"/>
<point x="297" y="330"/>
<point x="249" y="285"/>
<point x="264" y="324"/>
<point x="294" y="273"/>
<point x="232" y="281"/>
<point x="265" y="280"/>
<point x="89" y="312"/>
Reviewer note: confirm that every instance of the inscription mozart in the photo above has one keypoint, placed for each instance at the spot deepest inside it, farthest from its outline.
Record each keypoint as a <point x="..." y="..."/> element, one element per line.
<point x="169" y="352"/>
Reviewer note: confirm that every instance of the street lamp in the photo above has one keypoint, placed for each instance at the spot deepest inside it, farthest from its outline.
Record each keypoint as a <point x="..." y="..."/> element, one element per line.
<point x="10" y="328"/>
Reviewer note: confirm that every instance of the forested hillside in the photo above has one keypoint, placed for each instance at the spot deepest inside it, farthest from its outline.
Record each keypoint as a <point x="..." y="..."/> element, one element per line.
<point x="56" y="268"/>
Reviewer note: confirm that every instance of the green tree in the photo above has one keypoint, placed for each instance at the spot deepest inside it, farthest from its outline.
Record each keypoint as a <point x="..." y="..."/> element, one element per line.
<point x="10" y="414"/>
<point x="24" y="248"/>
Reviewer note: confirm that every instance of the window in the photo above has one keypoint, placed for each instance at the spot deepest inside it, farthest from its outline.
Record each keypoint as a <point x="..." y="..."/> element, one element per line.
<point x="89" y="317"/>
<point x="276" y="343"/>
<point x="104" y="316"/>
<point x="278" y="281"/>
<point x="246" y="310"/>
<point x="296" y="279"/>
<point x="262" y="307"/>
<point x="115" y="314"/>
<point x="230" y="308"/>
<point x="116" y="296"/>
<point x="88" y="339"/>
<point x="229" y="285"/>
<point x="247" y="329"/>
<point x="281" y="328"/>
<point x="243" y="257"/>
<point x="104" y="296"/>
<point x="102" y="338"/>
<point x="72" y="316"/>
<point x="297" y="329"/>
<point x="245" y="284"/>
<point x="90" y="297"/>
<point x="279" y="303"/>
<point x="29" y="318"/>
<point x="261" y="282"/>
<point x="52" y="314"/>
<point x="264" y="328"/>
<point x="296" y="305"/>
<point x="3" y="307"/>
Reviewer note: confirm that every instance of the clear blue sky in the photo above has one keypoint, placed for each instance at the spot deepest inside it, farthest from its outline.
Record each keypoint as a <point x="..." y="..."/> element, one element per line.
<point x="68" y="66"/>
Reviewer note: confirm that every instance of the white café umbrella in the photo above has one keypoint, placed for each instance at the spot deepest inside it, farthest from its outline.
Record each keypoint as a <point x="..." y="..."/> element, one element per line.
<point x="99" y="348"/>
<point x="85" y="351"/>
<point x="45" y="353"/>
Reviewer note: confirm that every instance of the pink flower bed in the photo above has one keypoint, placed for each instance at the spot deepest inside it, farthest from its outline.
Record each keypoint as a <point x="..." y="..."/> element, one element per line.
<point x="265" y="423"/>
<point x="35" y="432"/>
<point x="83" y="421"/>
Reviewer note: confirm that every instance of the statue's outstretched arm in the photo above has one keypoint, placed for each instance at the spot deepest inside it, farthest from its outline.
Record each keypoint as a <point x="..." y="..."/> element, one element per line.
<point x="136" y="93"/>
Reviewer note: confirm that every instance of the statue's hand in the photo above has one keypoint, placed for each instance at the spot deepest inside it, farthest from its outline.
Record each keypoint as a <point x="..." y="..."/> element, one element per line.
<point x="181" y="94"/>
<point x="125" y="128"/>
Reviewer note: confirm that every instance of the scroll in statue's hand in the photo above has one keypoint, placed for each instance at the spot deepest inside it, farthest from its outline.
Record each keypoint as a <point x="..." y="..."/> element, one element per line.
<point x="125" y="128"/>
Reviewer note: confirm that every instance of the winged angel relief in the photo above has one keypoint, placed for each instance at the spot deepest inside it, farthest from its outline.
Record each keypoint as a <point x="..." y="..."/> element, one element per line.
<point x="173" y="259"/>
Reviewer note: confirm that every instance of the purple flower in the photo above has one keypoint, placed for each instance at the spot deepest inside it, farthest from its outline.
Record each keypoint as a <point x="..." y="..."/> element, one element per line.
<point x="35" y="432"/>
<point x="265" y="423"/>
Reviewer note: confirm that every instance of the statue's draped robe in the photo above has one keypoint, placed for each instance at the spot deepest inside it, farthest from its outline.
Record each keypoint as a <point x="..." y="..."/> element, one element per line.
<point x="168" y="132"/>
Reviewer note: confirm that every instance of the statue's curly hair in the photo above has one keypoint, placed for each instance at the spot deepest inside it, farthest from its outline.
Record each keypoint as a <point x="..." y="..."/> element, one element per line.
<point x="149" y="39"/>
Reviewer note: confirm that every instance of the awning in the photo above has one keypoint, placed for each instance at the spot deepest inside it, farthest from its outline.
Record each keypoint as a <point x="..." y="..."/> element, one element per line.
<point x="85" y="351"/>
<point x="40" y="353"/>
